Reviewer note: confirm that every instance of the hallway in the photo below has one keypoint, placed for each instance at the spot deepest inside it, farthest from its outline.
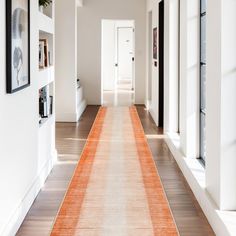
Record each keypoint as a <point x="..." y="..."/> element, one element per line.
<point x="160" y="76"/>
<point x="115" y="189"/>
<point x="113" y="208"/>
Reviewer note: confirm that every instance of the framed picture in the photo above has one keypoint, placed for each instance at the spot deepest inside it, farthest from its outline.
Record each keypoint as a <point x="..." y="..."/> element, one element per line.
<point x="45" y="43"/>
<point x="41" y="55"/>
<point x="44" y="55"/>
<point x="18" y="44"/>
<point x="155" y="43"/>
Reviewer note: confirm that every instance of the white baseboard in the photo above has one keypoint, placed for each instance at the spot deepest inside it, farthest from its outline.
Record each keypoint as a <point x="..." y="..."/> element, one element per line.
<point x="222" y="222"/>
<point x="153" y="115"/>
<point x="81" y="108"/>
<point x="72" y="117"/>
<point x="21" y="211"/>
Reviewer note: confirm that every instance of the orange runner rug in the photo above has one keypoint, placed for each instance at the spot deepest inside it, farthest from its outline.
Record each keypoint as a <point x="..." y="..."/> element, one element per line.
<point x="116" y="189"/>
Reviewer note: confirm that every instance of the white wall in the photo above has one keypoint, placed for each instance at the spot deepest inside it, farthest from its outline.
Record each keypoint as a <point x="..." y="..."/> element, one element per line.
<point x="228" y="105"/>
<point x="89" y="43"/>
<point x="213" y="97"/>
<point x="214" y="185"/>
<point x="108" y="55"/>
<point x="21" y="167"/>
<point x="221" y="97"/>
<point x="80" y="3"/>
<point x="171" y="66"/>
<point x="190" y="77"/>
<point x="66" y="60"/>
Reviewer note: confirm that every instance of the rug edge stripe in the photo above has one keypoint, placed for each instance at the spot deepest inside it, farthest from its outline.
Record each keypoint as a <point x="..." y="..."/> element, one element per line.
<point x="135" y="112"/>
<point x="100" y="113"/>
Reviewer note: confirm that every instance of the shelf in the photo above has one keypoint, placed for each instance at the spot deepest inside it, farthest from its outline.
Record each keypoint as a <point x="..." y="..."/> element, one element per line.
<point x="46" y="76"/>
<point x="45" y="23"/>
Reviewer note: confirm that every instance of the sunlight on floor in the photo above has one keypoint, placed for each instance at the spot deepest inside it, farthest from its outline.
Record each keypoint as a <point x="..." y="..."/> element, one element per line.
<point x="118" y="98"/>
<point x="155" y="136"/>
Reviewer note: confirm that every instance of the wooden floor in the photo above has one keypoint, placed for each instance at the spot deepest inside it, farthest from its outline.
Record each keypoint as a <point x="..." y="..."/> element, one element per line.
<point x="70" y="139"/>
<point x="188" y="215"/>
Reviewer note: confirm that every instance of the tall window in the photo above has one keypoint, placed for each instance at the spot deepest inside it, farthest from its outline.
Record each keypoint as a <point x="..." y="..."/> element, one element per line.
<point x="203" y="78"/>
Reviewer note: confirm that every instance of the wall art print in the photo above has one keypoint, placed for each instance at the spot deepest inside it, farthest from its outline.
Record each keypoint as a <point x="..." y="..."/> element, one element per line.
<point x="18" y="44"/>
<point x="155" y="43"/>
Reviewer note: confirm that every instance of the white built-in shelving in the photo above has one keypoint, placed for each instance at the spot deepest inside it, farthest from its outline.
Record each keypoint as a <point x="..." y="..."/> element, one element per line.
<point x="46" y="75"/>
<point x="46" y="78"/>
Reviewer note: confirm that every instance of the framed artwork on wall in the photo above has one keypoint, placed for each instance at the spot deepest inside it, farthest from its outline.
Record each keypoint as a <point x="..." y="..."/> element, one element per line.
<point x="18" y="44"/>
<point x="155" y="43"/>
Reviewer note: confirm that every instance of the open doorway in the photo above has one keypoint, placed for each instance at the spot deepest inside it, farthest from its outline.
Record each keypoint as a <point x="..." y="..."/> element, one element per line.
<point x="161" y="63"/>
<point x="118" y="62"/>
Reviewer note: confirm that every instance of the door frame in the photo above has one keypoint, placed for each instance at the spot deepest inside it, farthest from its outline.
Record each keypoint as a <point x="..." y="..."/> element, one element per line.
<point x="118" y="23"/>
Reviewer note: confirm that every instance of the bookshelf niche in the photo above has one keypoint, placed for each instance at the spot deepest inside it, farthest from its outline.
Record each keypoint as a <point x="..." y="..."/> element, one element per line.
<point x="46" y="65"/>
<point x="46" y="83"/>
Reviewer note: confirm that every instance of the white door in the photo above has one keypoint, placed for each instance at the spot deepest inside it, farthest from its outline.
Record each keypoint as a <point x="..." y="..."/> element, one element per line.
<point x="125" y="55"/>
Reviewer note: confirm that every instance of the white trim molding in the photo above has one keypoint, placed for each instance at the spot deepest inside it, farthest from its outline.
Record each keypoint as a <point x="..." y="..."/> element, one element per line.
<point x="19" y="214"/>
<point x="222" y="222"/>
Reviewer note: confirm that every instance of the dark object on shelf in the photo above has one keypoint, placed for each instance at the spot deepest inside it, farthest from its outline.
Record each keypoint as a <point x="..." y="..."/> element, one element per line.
<point x="18" y="45"/>
<point x="43" y="111"/>
<point x="43" y="53"/>
<point x="45" y="3"/>
<point x="51" y="105"/>
<point x="49" y="58"/>
<point x="45" y="102"/>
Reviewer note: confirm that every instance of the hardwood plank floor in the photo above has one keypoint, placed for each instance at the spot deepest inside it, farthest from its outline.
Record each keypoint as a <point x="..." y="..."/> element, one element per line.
<point x="70" y="139"/>
<point x="188" y="215"/>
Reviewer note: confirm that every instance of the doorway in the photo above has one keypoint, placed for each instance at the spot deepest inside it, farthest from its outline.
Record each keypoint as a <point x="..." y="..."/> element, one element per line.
<point x="118" y="62"/>
<point x="161" y="63"/>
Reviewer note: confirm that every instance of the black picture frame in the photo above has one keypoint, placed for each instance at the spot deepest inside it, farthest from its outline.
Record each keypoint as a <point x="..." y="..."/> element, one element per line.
<point x="17" y="45"/>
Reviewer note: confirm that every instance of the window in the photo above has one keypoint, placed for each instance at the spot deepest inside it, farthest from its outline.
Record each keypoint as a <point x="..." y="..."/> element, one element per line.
<point x="202" y="79"/>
